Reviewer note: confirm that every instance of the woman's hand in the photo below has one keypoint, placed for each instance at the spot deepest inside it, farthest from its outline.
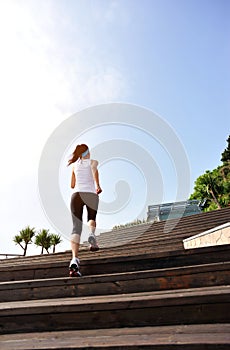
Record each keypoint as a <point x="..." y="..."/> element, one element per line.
<point x="98" y="190"/>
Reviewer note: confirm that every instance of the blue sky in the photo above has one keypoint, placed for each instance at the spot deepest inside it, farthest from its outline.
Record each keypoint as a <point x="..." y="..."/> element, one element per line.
<point x="59" y="57"/>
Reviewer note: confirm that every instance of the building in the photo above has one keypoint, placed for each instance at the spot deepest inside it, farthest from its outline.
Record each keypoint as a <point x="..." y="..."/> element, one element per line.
<point x="161" y="212"/>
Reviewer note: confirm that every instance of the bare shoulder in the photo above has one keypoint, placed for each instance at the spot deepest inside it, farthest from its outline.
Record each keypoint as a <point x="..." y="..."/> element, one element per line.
<point x="94" y="163"/>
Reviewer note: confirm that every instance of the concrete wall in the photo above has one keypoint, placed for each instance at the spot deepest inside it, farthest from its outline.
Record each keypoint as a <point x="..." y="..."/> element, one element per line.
<point x="216" y="236"/>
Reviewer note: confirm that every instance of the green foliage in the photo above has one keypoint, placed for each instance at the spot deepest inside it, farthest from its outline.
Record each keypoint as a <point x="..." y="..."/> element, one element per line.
<point x="215" y="185"/>
<point x="46" y="240"/>
<point x="43" y="239"/>
<point x="226" y="154"/>
<point x="24" y="238"/>
<point x="55" y="240"/>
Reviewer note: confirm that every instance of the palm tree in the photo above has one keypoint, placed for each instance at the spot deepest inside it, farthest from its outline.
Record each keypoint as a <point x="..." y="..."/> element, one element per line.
<point x="55" y="239"/>
<point x="43" y="239"/>
<point x="24" y="238"/>
<point x="212" y="187"/>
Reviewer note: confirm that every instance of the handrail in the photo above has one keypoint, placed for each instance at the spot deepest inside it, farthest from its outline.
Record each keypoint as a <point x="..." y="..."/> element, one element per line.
<point x="6" y="255"/>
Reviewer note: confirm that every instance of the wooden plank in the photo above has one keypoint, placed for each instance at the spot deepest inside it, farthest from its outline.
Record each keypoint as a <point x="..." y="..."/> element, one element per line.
<point x="198" y="337"/>
<point x="154" y="233"/>
<point x="101" y="264"/>
<point x="190" y="306"/>
<point x="117" y="283"/>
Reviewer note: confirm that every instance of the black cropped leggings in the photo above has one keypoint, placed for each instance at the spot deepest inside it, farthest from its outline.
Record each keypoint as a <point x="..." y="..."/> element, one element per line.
<point x="78" y="201"/>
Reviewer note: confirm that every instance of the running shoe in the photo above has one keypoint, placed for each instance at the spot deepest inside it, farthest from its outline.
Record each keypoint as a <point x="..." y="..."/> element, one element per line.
<point x="93" y="243"/>
<point x="74" y="268"/>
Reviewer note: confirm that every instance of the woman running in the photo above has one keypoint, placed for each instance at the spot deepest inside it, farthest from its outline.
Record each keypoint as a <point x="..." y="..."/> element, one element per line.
<point x="85" y="179"/>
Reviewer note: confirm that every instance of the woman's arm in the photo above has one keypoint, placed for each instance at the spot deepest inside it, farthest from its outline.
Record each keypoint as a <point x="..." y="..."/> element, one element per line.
<point x="73" y="179"/>
<point x="94" y="164"/>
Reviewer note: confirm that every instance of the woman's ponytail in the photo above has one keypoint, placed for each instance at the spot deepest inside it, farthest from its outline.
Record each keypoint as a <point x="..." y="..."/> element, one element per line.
<point x="77" y="153"/>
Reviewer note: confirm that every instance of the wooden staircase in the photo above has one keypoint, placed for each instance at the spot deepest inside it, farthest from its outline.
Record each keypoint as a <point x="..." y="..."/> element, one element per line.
<point x="142" y="290"/>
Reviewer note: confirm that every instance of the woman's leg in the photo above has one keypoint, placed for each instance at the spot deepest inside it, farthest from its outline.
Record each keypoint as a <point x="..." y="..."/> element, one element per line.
<point x="92" y="226"/>
<point x="75" y="244"/>
<point x="92" y="206"/>
<point x="76" y="206"/>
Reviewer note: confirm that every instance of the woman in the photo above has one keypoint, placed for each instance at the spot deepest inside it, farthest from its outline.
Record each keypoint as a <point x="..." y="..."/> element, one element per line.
<point x="85" y="179"/>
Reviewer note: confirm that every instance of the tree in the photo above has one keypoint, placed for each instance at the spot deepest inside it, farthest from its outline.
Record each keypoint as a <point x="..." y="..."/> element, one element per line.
<point x="215" y="185"/>
<point x="24" y="238"/>
<point x="55" y="240"/>
<point x="225" y="156"/>
<point x="46" y="240"/>
<point x="43" y="239"/>
<point x="206" y="187"/>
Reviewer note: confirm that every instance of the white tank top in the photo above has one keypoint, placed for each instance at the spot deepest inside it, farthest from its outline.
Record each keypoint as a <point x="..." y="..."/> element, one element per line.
<point x="84" y="176"/>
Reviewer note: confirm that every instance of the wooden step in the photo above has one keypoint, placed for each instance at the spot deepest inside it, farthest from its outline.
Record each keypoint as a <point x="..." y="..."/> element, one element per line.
<point x="164" y="230"/>
<point x="179" y="337"/>
<point x="215" y="274"/>
<point x="182" y="306"/>
<point x="152" y="238"/>
<point x="142" y="290"/>
<point x="53" y="267"/>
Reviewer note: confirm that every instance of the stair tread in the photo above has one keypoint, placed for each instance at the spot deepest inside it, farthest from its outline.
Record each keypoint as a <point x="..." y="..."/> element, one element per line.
<point x="123" y="301"/>
<point x="43" y="261"/>
<point x="216" y="334"/>
<point x="193" y="269"/>
<point x="147" y="291"/>
<point x="97" y="265"/>
<point x="148" y="237"/>
<point x="204" y="275"/>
